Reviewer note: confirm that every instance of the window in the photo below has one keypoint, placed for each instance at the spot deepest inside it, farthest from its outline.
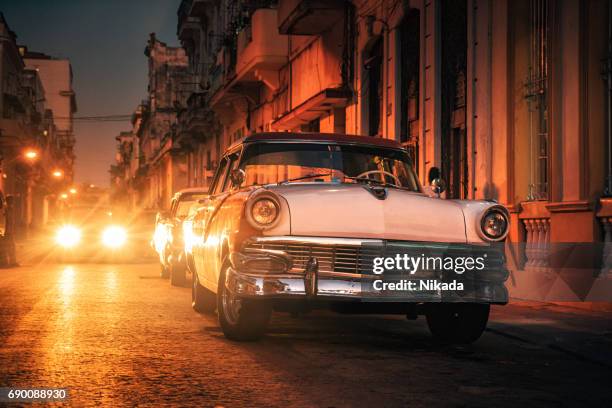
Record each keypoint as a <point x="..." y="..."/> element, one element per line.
<point x="184" y="207"/>
<point x="537" y="98"/>
<point x="219" y="177"/>
<point x="233" y="164"/>
<point x="454" y="140"/>
<point x="270" y="163"/>
<point x="409" y="36"/>
<point x="373" y="89"/>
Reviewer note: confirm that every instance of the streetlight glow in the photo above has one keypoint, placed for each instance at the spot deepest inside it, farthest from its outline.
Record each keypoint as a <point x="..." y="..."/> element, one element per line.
<point x="57" y="173"/>
<point x="73" y="190"/>
<point x="31" y="154"/>
<point x="64" y="196"/>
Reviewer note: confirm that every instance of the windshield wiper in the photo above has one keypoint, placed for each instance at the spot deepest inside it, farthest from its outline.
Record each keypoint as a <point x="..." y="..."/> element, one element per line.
<point x="378" y="182"/>
<point x="303" y="178"/>
<point x="368" y="180"/>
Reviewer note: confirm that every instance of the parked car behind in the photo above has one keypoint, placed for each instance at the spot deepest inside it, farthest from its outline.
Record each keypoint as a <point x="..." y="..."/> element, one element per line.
<point x="293" y="222"/>
<point x="168" y="236"/>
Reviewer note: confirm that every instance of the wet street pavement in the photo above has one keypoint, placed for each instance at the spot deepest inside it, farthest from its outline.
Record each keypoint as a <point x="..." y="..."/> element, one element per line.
<point x="119" y="335"/>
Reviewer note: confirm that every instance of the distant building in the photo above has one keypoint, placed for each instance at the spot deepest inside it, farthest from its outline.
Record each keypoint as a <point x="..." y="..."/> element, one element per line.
<point x="56" y="77"/>
<point x="151" y="162"/>
<point x="124" y="170"/>
<point x="29" y="123"/>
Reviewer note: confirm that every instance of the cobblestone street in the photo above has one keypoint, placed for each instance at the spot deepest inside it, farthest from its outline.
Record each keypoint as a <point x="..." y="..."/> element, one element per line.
<point x="118" y="334"/>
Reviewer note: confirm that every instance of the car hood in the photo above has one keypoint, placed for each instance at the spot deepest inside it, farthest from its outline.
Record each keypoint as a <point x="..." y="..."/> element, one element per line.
<point x="353" y="211"/>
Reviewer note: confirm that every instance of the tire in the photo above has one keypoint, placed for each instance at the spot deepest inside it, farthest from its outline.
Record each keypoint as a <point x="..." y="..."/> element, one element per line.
<point x="164" y="273"/>
<point x="177" y="271"/>
<point x="202" y="299"/>
<point x="240" y="319"/>
<point x="457" y="323"/>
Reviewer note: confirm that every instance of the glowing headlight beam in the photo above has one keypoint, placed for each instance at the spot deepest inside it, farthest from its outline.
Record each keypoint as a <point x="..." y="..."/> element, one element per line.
<point x="114" y="237"/>
<point x="68" y="236"/>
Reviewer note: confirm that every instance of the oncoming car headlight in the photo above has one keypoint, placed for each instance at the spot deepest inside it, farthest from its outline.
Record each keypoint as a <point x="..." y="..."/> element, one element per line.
<point x="68" y="236"/>
<point x="114" y="236"/>
<point x="263" y="210"/>
<point x="494" y="224"/>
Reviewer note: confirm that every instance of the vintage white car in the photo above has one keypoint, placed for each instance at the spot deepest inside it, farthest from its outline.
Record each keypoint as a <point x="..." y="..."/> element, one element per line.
<point x="296" y="221"/>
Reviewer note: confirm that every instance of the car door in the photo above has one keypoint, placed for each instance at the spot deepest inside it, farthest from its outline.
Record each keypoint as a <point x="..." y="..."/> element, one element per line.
<point x="214" y="235"/>
<point x="163" y="232"/>
<point x="200" y="220"/>
<point x="172" y="221"/>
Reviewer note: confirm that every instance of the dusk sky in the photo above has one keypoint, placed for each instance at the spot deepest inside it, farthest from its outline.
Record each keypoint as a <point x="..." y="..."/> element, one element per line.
<point x="104" y="41"/>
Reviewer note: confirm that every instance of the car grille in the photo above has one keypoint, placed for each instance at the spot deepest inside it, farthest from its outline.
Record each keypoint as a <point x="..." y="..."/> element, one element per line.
<point x="331" y="258"/>
<point x="358" y="259"/>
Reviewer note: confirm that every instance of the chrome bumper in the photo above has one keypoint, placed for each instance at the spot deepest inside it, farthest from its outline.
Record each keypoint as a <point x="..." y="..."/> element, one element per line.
<point x="263" y="273"/>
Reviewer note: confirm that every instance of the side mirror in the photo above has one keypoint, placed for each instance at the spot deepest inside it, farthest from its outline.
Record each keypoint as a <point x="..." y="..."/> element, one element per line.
<point x="237" y="177"/>
<point x="434" y="173"/>
<point x="437" y="184"/>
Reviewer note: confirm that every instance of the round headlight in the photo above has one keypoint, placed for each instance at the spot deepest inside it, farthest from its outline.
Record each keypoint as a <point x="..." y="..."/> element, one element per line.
<point x="68" y="236"/>
<point x="114" y="237"/>
<point x="264" y="211"/>
<point x="494" y="224"/>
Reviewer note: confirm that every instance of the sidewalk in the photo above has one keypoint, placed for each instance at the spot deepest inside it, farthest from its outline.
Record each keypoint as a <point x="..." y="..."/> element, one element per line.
<point x="32" y="250"/>
<point x="585" y="334"/>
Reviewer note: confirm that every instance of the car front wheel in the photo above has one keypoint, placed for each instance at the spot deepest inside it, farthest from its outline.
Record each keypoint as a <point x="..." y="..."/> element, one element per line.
<point x="240" y="319"/>
<point x="457" y="323"/>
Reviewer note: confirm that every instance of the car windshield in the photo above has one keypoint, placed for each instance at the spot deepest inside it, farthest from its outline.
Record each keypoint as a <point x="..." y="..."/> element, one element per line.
<point x="185" y="204"/>
<point x="268" y="163"/>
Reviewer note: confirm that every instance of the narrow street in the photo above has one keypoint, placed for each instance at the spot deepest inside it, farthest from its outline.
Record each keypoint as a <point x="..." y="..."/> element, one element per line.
<point x="120" y="335"/>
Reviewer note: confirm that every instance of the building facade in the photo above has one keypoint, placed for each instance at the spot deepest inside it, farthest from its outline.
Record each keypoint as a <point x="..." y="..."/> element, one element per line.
<point x="510" y="99"/>
<point x="151" y="161"/>
<point x="57" y="77"/>
<point x="31" y="137"/>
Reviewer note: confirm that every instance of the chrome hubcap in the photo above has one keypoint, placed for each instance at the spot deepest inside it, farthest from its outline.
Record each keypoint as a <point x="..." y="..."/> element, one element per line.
<point x="231" y="306"/>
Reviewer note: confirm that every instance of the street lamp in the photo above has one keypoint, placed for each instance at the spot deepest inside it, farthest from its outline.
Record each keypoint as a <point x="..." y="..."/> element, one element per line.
<point x="63" y="196"/>
<point x="31" y="154"/>
<point x="73" y="191"/>
<point x="57" y="173"/>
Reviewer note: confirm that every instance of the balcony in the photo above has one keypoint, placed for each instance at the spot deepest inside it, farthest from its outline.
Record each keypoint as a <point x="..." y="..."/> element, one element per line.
<point x="195" y="121"/>
<point x="215" y="78"/>
<point x="310" y="109"/>
<point x="308" y="17"/>
<point x="261" y="50"/>
<point x="189" y="28"/>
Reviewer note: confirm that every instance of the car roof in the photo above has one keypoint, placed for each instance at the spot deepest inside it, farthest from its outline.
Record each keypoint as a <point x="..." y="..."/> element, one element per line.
<point x="191" y="190"/>
<point x="318" y="138"/>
